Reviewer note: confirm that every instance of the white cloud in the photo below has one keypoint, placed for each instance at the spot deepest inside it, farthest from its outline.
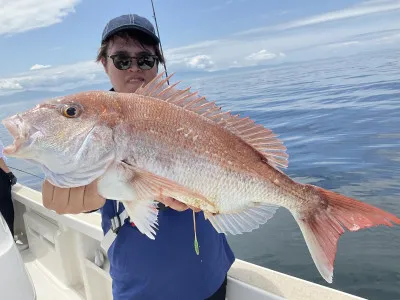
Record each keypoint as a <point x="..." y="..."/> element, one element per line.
<point x="302" y="42"/>
<point x="389" y="38"/>
<point x="203" y="62"/>
<point x="58" y="78"/>
<point x="22" y="15"/>
<point x="10" y="84"/>
<point x="361" y="9"/>
<point x="344" y="44"/>
<point x="219" y="54"/>
<point x="38" y="67"/>
<point x="263" y="55"/>
<point x="196" y="46"/>
<point x="367" y="41"/>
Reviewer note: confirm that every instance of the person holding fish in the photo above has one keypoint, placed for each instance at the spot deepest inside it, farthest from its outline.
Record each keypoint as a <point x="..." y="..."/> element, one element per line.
<point x="141" y="268"/>
<point x="147" y="142"/>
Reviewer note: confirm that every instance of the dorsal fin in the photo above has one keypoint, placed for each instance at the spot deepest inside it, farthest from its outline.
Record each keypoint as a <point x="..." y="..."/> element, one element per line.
<point x="260" y="138"/>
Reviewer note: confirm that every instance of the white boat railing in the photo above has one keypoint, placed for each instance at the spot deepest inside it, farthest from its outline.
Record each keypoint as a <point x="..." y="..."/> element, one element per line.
<point x="65" y="246"/>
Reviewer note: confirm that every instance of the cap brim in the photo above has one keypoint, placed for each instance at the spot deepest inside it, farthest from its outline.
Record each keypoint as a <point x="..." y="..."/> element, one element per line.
<point x="151" y="37"/>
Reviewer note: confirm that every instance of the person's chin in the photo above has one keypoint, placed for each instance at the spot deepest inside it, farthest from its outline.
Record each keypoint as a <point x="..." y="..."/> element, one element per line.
<point x="134" y="85"/>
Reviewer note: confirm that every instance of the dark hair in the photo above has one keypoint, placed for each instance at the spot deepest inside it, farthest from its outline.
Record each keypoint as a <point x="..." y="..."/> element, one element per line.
<point x="142" y="38"/>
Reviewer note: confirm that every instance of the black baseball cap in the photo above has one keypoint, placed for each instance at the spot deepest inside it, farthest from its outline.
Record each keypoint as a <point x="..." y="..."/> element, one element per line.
<point x="131" y="22"/>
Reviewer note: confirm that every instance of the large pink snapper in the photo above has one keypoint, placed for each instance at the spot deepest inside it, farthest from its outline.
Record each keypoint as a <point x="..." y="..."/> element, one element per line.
<point x="161" y="141"/>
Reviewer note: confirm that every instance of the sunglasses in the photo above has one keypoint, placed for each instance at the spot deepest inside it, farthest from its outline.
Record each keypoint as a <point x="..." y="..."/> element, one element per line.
<point x="124" y="62"/>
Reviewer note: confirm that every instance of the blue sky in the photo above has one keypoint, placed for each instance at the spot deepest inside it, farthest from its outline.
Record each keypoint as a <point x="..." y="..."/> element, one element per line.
<point x="51" y="45"/>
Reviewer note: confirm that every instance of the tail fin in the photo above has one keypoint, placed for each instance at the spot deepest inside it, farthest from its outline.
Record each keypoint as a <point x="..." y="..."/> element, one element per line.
<point x="323" y="227"/>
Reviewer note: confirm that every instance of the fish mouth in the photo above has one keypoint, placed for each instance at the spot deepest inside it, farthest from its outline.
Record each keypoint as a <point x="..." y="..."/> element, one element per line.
<point x="20" y="131"/>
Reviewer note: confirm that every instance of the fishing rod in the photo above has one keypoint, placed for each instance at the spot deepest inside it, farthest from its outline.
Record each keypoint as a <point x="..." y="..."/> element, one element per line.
<point x="158" y="34"/>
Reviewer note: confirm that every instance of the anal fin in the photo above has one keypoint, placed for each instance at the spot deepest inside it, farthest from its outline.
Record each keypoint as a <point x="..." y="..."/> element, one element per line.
<point x="244" y="221"/>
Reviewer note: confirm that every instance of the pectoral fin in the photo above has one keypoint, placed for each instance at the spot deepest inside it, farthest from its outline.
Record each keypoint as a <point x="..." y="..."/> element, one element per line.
<point x="151" y="186"/>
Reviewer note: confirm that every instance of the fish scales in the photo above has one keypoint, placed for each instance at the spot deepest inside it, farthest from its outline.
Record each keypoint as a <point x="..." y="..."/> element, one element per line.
<point x="191" y="150"/>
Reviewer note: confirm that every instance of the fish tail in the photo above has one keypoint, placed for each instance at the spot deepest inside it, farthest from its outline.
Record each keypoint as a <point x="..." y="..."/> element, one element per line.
<point x="323" y="226"/>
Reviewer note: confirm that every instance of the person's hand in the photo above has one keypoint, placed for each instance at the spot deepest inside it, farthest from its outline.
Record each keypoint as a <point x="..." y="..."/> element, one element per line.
<point x="175" y="204"/>
<point x="73" y="200"/>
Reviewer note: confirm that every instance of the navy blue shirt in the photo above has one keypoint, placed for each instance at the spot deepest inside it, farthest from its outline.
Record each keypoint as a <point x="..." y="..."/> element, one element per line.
<point x="167" y="267"/>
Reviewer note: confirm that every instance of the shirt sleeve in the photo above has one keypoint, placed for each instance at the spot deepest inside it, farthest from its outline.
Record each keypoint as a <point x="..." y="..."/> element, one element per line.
<point x="1" y="148"/>
<point x="1" y="151"/>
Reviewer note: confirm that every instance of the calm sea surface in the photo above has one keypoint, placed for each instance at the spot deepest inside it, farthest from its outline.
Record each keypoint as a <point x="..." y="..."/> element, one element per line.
<point x="340" y="120"/>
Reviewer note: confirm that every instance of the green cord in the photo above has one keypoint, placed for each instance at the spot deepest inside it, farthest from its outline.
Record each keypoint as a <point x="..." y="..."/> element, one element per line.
<point x="196" y="243"/>
<point x="196" y="246"/>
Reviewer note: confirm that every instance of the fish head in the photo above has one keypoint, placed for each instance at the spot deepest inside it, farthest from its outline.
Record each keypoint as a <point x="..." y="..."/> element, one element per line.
<point x="69" y="137"/>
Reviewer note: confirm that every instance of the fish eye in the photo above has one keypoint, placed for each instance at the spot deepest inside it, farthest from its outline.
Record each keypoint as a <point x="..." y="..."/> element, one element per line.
<point x="70" y="111"/>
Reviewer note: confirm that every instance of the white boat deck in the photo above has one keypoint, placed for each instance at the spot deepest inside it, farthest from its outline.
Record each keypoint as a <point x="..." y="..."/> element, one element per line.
<point x="46" y="285"/>
<point x="61" y="255"/>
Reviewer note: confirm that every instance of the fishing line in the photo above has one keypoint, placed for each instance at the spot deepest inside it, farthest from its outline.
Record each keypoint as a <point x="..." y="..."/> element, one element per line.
<point x="24" y="172"/>
<point x="158" y="33"/>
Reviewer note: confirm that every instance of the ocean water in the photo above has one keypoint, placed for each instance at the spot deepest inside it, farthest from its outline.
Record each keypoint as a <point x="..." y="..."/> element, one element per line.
<point x="340" y="120"/>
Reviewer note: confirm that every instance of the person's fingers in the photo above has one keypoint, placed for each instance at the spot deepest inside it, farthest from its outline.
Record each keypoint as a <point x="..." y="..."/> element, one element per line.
<point x="177" y="205"/>
<point x="47" y="194"/>
<point x="75" y="203"/>
<point x="60" y="200"/>
<point x="54" y="198"/>
<point x="92" y="200"/>
<point x="174" y="204"/>
<point x="71" y="201"/>
<point x="195" y="209"/>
